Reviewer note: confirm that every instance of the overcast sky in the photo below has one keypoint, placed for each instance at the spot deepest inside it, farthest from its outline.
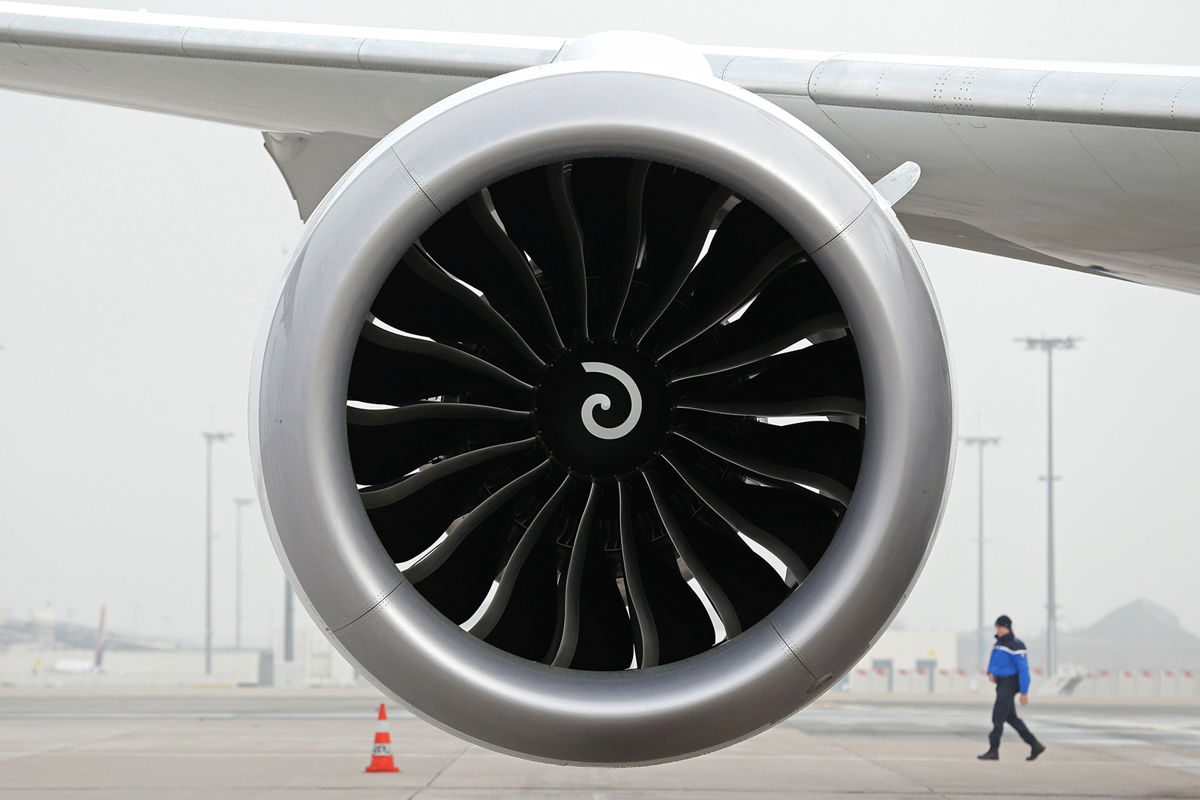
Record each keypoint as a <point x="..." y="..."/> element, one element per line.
<point x="138" y="252"/>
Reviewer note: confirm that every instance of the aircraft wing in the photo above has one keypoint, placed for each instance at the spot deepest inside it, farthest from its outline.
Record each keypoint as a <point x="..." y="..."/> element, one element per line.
<point x="1085" y="166"/>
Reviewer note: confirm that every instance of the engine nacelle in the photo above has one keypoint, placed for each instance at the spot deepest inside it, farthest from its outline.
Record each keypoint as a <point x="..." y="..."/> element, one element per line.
<point x="604" y="414"/>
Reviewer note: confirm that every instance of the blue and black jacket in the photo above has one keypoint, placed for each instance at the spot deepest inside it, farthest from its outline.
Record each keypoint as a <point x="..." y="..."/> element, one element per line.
<point x="1009" y="658"/>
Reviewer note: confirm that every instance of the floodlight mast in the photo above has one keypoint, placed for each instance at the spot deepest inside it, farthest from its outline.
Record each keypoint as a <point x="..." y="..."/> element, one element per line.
<point x="239" y="503"/>
<point x="980" y="442"/>
<point x="209" y="438"/>
<point x="1048" y="344"/>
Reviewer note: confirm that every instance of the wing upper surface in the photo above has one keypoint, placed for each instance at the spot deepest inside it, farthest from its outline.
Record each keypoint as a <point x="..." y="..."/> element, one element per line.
<point x="1087" y="166"/>
<point x="266" y="75"/>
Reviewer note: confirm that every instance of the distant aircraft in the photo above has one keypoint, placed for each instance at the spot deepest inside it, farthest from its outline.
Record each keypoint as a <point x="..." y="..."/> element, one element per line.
<point x="603" y="414"/>
<point x="93" y="667"/>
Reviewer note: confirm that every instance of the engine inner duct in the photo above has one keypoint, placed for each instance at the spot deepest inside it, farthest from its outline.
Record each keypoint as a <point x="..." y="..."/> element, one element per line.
<point x="606" y="414"/>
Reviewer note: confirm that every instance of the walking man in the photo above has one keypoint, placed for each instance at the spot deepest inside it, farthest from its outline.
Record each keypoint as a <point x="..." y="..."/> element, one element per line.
<point x="1009" y="670"/>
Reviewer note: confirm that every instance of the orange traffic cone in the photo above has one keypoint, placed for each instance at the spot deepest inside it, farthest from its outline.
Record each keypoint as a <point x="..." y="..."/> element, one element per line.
<point x="381" y="753"/>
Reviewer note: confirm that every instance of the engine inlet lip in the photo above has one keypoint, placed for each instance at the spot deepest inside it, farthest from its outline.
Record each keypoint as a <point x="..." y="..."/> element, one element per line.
<point x="330" y="550"/>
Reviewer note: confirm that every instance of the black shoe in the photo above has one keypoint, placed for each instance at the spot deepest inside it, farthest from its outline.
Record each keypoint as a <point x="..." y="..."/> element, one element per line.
<point x="1038" y="749"/>
<point x="990" y="755"/>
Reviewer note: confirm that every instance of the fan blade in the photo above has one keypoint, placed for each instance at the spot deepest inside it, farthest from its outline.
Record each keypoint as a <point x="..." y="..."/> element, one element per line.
<point x="422" y="298"/>
<point x="748" y="246"/>
<point x="794" y="304"/>
<point x="670" y="622"/>
<point x="456" y="575"/>
<point x="469" y="243"/>
<point x="522" y="615"/>
<point x="822" y="379"/>
<point x="645" y="628"/>
<point x="605" y="633"/>
<point x="391" y="369"/>
<point x="537" y="213"/>
<point x="679" y="209"/>
<point x="596" y="631"/>
<point x="607" y="193"/>
<point x="410" y="514"/>
<point x="796" y="525"/>
<point x="567" y="636"/>
<point x="720" y="602"/>
<point x="752" y="587"/>
<point x="823" y="455"/>
<point x="388" y="443"/>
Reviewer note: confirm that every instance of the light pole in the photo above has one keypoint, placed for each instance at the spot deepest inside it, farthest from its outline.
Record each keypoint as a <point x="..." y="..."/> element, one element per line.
<point x="209" y="438"/>
<point x="288" y="643"/>
<point x="238" y="503"/>
<point x="1048" y="345"/>
<point x="980" y="442"/>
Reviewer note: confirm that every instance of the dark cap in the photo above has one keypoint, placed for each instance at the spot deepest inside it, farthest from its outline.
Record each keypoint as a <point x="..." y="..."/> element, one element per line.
<point x="1003" y="621"/>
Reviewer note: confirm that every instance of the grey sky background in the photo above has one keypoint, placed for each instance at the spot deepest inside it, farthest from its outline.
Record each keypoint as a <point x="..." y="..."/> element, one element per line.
<point x="137" y="253"/>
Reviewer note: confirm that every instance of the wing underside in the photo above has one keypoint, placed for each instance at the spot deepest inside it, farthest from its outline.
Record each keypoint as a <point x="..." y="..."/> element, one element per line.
<point x="1089" y="167"/>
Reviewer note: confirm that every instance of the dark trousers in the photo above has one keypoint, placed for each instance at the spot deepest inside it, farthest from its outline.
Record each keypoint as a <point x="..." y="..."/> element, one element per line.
<point x="1005" y="710"/>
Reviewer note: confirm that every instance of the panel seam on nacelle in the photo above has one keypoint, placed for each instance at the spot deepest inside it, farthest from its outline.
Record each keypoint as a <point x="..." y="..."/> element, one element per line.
<point x="378" y="601"/>
<point x="416" y="181"/>
<point x="791" y="650"/>
<point x="842" y="229"/>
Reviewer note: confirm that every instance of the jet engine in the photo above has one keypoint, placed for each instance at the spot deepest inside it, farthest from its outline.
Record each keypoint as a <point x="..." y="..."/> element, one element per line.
<point x="603" y="415"/>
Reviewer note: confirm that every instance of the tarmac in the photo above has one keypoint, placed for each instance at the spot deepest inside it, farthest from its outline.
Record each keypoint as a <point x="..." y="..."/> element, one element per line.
<point x="298" y="744"/>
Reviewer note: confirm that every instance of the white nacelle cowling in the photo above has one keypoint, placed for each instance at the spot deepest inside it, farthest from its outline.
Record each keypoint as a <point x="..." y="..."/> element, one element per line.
<point x="404" y="629"/>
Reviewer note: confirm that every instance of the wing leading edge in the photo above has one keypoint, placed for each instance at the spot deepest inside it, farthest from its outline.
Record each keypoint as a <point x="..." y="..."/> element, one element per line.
<point x="1084" y="166"/>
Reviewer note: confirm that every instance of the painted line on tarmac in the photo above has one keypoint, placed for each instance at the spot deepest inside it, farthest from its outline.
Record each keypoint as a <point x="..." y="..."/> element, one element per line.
<point x="193" y="754"/>
<point x="219" y="715"/>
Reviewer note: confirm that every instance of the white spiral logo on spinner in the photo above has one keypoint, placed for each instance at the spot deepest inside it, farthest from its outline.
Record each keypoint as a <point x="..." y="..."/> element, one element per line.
<point x="587" y="412"/>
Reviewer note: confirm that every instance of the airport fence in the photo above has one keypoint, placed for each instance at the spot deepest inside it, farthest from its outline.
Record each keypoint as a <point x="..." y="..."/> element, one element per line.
<point x="1182" y="683"/>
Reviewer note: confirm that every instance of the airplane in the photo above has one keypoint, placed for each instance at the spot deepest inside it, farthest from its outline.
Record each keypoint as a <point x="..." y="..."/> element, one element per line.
<point x="603" y="414"/>
<point x="68" y="666"/>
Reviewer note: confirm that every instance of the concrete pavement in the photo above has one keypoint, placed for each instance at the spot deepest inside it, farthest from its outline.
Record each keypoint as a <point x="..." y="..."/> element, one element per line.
<point x="314" y="744"/>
